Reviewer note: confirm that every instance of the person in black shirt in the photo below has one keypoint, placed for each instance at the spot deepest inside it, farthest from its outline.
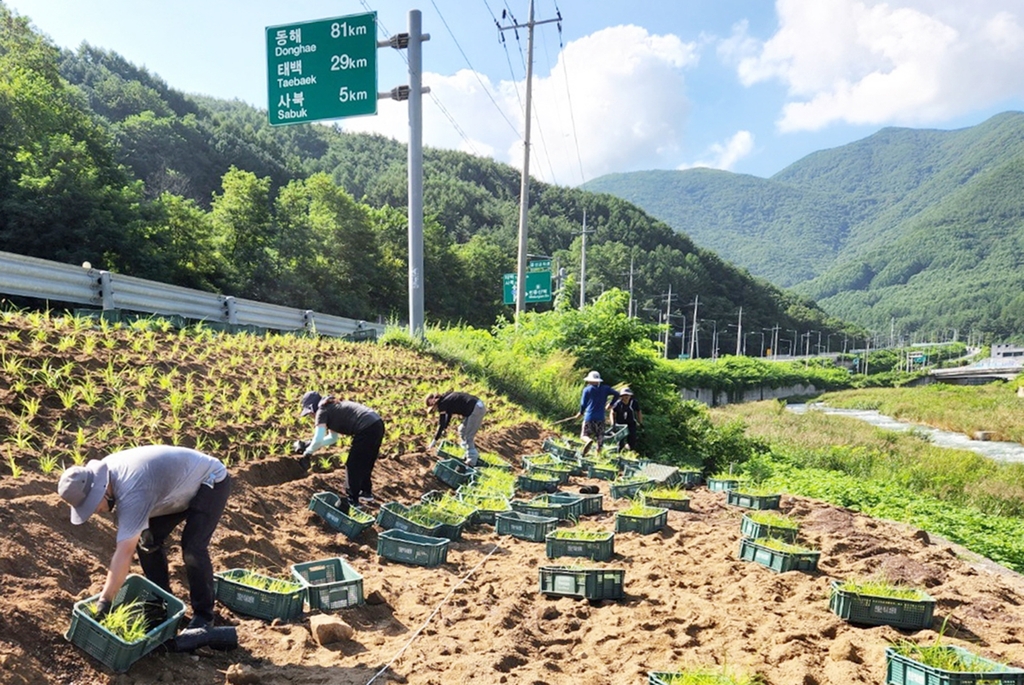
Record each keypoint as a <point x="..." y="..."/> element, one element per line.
<point x="334" y="418"/>
<point x="625" y="410"/>
<point x="472" y="411"/>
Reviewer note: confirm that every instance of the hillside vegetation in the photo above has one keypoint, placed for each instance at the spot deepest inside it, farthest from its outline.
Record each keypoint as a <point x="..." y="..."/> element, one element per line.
<point x="102" y="161"/>
<point x="918" y="228"/>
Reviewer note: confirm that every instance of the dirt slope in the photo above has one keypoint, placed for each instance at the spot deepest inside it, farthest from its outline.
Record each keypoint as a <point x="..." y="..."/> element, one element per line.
<point x="690" y="600"/>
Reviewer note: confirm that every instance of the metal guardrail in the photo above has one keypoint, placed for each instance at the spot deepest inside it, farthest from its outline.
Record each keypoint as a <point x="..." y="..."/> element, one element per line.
<point x="46" y="280"/>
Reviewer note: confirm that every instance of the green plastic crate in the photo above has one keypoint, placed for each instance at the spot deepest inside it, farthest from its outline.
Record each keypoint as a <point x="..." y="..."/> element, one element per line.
<point x="561" y="472"/>
<point x="449" y="450"/>
<point x="569" y="506"/>
<point x="410" y="548"/>
<point x="486" y="515"/>
<point x="723" y="484"/>
<point x="600" y="549"/>
<point x="392" y="515"/>
<point x="690" y="478"/>
<point x="645" y="525"/>
<point x="111" y="651"/>
<point x="327" y="506"/>
<point x="534" y="507"/>
<point x="330" y="584"/>
<point x="902" y="670"/>
<point x="616" y="433"/>
<point x="620" y="490"/>
<point x="750" y="528"/>
<point x="869" y="610"/>
<point x="251" y="601"/>
<point x="673" y="503"/>
<point x="533" y="482"/>
<point x="776" y="560"/>
<point x="588" y="583"/>
<point x="747" y="501"/>
<point x="453" y="472"/>
<point x="565" y="450"/>
<point x="603" y="471"/>
<point x="661" y="677"/>
<point x="591" y="504"/>
<point x="525" y="526"/>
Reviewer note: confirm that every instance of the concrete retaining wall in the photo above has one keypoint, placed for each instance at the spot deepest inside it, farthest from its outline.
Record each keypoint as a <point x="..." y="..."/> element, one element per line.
<point x="717" y="399"/>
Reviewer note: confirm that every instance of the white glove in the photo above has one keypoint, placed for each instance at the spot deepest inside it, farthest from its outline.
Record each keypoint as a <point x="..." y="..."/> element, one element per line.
<point x="431" y="445"/>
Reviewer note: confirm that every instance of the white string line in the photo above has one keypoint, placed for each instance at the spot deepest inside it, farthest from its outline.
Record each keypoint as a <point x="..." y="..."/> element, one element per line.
<point x="432" y="614"/>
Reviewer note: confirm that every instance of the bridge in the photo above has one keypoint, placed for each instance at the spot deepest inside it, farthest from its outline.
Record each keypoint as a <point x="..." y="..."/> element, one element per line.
<point x="979" y="373"/>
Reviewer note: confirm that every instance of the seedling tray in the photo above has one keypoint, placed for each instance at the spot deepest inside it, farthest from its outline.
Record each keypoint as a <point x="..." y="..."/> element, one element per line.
<point x="871" y="610"/>
<point x="776" y="560"/>
<point x="588" y="583"/>
<point x="485" y="515"/>
<point x="528" y="483"/>
<point x="645" y="525"/>
<point x="537" y="508"/>
<point x="525" y="526"/>
<point x="603" y="471"/>
<point x="107" y="648"/>
<point x="741" y="499"/>
<point x="628" y="490"/>
<point x="410" y="548"/>
<point x="392" y="515"/>
<point x="562" y="472"/>
<point x="570" y="506"/>
<point x="330" y="584"/>
<point x="750" y="528"/>
<point x="722" y="484"/>
<point x="453" y="472"/>
<point x="903" y="670"/>
<point x="252" y="601"/>
<point x="326" y="505"/>
<point x="674" y="503"/>
<point x="660" y="473"/>
<point x="600" y="549"/>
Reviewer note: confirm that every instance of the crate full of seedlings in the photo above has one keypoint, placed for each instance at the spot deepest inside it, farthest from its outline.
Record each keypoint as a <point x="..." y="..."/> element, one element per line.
<point x="410" y="519"/>
<point x="525" y="526"/>
<point x="490" y="480"/>
<point x="255" y="594"/>
<point x="487" y="506"/>
<point x="778" y="555"/>
<point x="537" y="482"/>
<point x="143" y="617"/>
<point x="628" y="487"/>
<point x="493" y="461"/>
<point x="672" y="497"/>
<point x="330" y="584"/>
<point x="410" y="548"/>
<point x="878" y="602"/>
<point x="349" y="520"/>
<point x="570" y="506"/>
<point x="640" y="518"/>
<point x="769" y="524"/>
<point x="453" y="472"/>
<point x="908" y="663"/>
<point x="752" y="498"/>
<point x="596" y="545"/>
<point x="537" y="507"/>
<point x="603" y="470"/>
<point x="564" y="448"/>
<point x="591" y="503"/>
<point x="451" y="514"/>
<point x="450" y="450"/>
<point x="723" y="482"/>
<point x="581" y="581"/>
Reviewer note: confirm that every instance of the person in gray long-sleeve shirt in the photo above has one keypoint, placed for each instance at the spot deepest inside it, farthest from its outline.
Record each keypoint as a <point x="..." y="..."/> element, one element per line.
<point x="154" y="488"/>
<point x="334" y="418"/>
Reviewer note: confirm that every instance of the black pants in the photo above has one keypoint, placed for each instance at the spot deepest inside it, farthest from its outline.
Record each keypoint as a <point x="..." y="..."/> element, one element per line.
<point x="362" y="456"/>
<point x="630" y="438"/>
<point x="201" y="519"/>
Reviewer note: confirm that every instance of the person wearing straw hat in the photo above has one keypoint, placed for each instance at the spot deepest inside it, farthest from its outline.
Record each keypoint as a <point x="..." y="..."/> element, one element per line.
<point x="152" y="489"/>
<point x="592" y="409"/>
<point x="334" y="417"/>
<point x="470" y="408"/>
<point x="626" y="411"/>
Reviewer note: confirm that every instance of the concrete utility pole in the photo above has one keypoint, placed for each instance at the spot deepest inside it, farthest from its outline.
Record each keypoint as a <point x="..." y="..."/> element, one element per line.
<point x="583" y="263"/>
<point x="524" y="190"/>
<point x="629" y="311"/>
<point x="415" y="152"/>
<point x="739" y="331"/>
<point x="668" y="319"/>
<point x="693" y="328"/>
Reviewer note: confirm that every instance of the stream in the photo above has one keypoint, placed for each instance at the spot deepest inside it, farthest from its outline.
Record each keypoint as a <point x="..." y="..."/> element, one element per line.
<point x="1000" y="451"/>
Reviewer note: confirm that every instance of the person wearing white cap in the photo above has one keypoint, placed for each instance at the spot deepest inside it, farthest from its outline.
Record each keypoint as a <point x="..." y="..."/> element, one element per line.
<point x="154" y="488"/>
<point x="626" y="411"/>
<point x="592" y="409"/>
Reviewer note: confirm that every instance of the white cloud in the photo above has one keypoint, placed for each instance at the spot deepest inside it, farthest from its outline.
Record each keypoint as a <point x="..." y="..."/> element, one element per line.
<point x="628" y="108"/>
<point x="725" y="155"/>
<point x="869" y="62"/>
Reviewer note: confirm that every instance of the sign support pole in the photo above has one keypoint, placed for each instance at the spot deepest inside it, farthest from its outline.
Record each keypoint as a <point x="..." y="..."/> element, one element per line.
<point x="415" y="174"/>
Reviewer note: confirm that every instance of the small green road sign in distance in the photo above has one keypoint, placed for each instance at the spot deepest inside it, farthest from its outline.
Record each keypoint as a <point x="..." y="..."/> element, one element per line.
<point x="324" y="69"/>
<point x="538" y="287"/>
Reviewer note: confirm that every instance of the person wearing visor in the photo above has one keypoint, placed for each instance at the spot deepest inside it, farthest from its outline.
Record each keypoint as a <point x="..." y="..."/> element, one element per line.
<point x="593" y="403"/>
<point x="151" y="489"/>
<point x="333" y="418"/>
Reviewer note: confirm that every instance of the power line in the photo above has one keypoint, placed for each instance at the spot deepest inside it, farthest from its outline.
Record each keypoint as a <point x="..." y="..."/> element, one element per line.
<point x="568" y="96"/>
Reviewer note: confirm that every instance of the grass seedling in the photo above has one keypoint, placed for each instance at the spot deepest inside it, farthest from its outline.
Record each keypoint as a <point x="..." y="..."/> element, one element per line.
<point x="259" y="581"/>
<point x="709" y="676"/>
<point x="47" y="463"/>
<point x="16" y="470"/>
<point x="772" y="519"/>
<point x="781" y="546"/>
<point x="126" y="621"/>
<point x="580" y="533"/>
<point x="638" y="509"/>
<point x="667" y="492"/>
<point x="881" y="587"/>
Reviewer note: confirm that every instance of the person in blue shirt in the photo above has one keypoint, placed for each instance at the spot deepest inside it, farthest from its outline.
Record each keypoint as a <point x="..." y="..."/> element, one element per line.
<point x="592" y="409"/>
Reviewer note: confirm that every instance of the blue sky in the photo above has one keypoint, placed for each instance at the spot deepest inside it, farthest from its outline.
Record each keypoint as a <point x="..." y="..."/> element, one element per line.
<point x="744" y="85"/>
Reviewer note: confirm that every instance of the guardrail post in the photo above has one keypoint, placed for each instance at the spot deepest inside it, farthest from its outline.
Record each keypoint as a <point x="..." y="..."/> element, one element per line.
<point x="309" y="320"/>
<point x="106" y="291"/>
<point x="230" y="310"/>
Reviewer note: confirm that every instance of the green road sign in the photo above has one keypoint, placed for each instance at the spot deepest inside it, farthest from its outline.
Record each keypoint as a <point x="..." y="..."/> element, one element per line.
<point x="539" y="265"/>
<point x="538" y="287"/>
<point x="324" y="69"/>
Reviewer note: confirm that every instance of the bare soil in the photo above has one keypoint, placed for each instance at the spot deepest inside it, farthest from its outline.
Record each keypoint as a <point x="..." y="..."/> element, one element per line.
<point x="479" y="618"/>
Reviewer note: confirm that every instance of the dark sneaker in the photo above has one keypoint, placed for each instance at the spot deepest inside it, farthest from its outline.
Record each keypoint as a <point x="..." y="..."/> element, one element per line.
<point x="367" y="498"/>
<point x="199" y="622"/>
<point x="304" y="462"/>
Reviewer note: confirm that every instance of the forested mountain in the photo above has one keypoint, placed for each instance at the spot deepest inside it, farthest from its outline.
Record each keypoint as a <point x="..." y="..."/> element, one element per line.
<point x="102" y="161"/>
<point x="918" y="228"/>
